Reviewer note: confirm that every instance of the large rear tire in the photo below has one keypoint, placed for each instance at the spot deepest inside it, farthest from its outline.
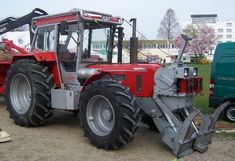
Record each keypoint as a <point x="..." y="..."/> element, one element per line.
<point x="109" y="115"/>
<point x="28" y="87"/>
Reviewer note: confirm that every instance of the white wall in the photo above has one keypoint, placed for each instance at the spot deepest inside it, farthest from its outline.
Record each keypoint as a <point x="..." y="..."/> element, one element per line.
<point x="223" y="28"/>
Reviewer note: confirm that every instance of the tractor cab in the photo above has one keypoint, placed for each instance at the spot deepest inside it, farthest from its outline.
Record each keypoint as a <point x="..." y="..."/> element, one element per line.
<point x="78" y="38"/>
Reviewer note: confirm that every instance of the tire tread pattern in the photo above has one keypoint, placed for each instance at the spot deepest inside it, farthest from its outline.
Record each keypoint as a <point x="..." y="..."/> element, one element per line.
<point x="126" y="110"/>
<point x="41" y="81"/>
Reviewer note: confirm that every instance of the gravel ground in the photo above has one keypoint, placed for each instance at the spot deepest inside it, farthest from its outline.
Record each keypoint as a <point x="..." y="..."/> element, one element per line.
<point x="62" y="139"/>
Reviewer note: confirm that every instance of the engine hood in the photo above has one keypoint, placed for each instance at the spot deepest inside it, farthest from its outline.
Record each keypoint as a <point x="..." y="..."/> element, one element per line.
<point x="139" y="78"/>
<point x="126" y="67"/>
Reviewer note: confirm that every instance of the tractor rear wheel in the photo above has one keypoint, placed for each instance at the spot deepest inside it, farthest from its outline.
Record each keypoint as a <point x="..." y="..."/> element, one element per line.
<point x="28" y="86"/>
<point x="109" y="115"/>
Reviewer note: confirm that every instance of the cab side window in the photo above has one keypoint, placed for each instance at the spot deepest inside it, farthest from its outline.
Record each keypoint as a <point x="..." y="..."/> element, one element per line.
<point x="45" y="39"/>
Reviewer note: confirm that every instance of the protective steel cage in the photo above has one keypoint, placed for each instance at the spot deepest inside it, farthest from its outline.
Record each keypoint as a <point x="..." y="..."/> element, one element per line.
<point x="75" y="15"/>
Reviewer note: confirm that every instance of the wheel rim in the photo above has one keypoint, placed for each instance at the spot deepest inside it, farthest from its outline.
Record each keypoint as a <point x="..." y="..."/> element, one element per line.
<point x="100" y="115"/>
<point x="20" y="93"/>
<point x="231" y="113"/>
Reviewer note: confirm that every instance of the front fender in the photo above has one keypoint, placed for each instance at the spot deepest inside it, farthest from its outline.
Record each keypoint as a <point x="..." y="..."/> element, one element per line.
<point x="97" y="76"/>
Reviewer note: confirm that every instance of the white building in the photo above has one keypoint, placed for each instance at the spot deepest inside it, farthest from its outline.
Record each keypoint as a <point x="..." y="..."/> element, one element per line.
<point x="225" y="30"/>
<point x="148" y="50"/>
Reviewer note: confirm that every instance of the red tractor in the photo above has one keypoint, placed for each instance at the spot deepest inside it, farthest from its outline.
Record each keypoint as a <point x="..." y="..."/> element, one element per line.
<point x="62" y="71"/>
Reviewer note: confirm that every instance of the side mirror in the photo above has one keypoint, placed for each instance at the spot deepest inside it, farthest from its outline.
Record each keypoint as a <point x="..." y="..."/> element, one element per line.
<point x="64" y="27"/>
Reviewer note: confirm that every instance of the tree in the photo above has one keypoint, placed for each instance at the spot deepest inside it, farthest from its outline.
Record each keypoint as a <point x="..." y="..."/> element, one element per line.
<point x="169" y="27"/>
<point x="203" y="39"/>
<point x="191" y="31"/>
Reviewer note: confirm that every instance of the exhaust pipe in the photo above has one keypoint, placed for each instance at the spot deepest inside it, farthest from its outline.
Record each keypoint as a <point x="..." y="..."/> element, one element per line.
<point x="120" y="45"/>
<point x="133" y="44"/>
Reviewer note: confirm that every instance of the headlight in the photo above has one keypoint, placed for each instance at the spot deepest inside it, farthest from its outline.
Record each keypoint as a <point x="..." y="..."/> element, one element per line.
<point x="195" y="72"/>
<point x="186" y="71"/>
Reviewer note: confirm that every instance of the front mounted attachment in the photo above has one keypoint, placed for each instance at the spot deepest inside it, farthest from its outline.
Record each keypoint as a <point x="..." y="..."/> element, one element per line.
<point x="183" y="128"/>
<point x="185" y="39"/>
<point x="191" y="137"/>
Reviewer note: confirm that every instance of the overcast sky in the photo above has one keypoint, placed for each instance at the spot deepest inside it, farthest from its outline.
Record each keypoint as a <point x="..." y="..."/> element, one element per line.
<point x="148" y="12"/>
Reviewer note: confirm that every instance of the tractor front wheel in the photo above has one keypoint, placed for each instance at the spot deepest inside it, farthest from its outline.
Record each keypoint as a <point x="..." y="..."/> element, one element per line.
<point x="27" y="94"/>
<point x="109" y="115"/>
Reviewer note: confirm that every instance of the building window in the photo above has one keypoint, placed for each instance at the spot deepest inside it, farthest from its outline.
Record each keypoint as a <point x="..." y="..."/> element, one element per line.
<point x="229" y="36"/>
<point x="220" y="30"/>
<point x="229" y="30"/>
<point x="220" y="36"/>
<point x="229" y="24"/>
<point x="201" y="20"/>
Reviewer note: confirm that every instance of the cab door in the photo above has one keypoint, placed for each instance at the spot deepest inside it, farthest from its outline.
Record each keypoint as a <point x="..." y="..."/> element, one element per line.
<point x="68" y="54"/>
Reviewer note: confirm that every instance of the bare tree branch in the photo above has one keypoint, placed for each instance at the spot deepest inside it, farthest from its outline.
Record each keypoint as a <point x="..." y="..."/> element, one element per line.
<point x="169" y="28"/>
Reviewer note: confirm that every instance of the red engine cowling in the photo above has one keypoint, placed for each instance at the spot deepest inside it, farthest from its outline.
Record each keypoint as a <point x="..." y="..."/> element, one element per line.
<point x="139" y="78"/>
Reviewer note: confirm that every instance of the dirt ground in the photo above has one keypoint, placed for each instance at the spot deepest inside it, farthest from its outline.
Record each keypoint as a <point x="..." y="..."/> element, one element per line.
<point x="62" y="139"/>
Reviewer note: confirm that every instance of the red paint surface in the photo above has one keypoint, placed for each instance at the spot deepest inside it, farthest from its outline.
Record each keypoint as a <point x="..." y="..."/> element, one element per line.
<point x="12" y="48"/>
<point x="190" y="85"/>
<point x="48" y="58"/>
<point x="56" y="19"/>
<point x="130" y="71"/>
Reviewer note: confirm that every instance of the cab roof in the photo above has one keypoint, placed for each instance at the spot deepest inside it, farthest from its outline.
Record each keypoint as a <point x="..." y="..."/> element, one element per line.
<point x="77" y="14"/>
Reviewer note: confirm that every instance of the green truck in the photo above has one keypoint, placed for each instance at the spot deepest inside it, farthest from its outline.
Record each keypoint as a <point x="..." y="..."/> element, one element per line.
<point x="222" y="83"/>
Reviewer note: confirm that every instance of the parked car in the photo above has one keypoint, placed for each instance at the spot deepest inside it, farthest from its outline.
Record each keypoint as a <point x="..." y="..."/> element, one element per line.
<point x="222" y="83"/>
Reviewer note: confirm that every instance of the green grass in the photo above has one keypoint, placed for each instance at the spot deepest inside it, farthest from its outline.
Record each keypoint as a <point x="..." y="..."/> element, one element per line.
<point x="202" y="102"/>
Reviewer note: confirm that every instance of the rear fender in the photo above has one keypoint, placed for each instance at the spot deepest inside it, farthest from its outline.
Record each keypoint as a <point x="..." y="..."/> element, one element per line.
<point x="47" y="58"/>
<point x="39" y="57"/>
